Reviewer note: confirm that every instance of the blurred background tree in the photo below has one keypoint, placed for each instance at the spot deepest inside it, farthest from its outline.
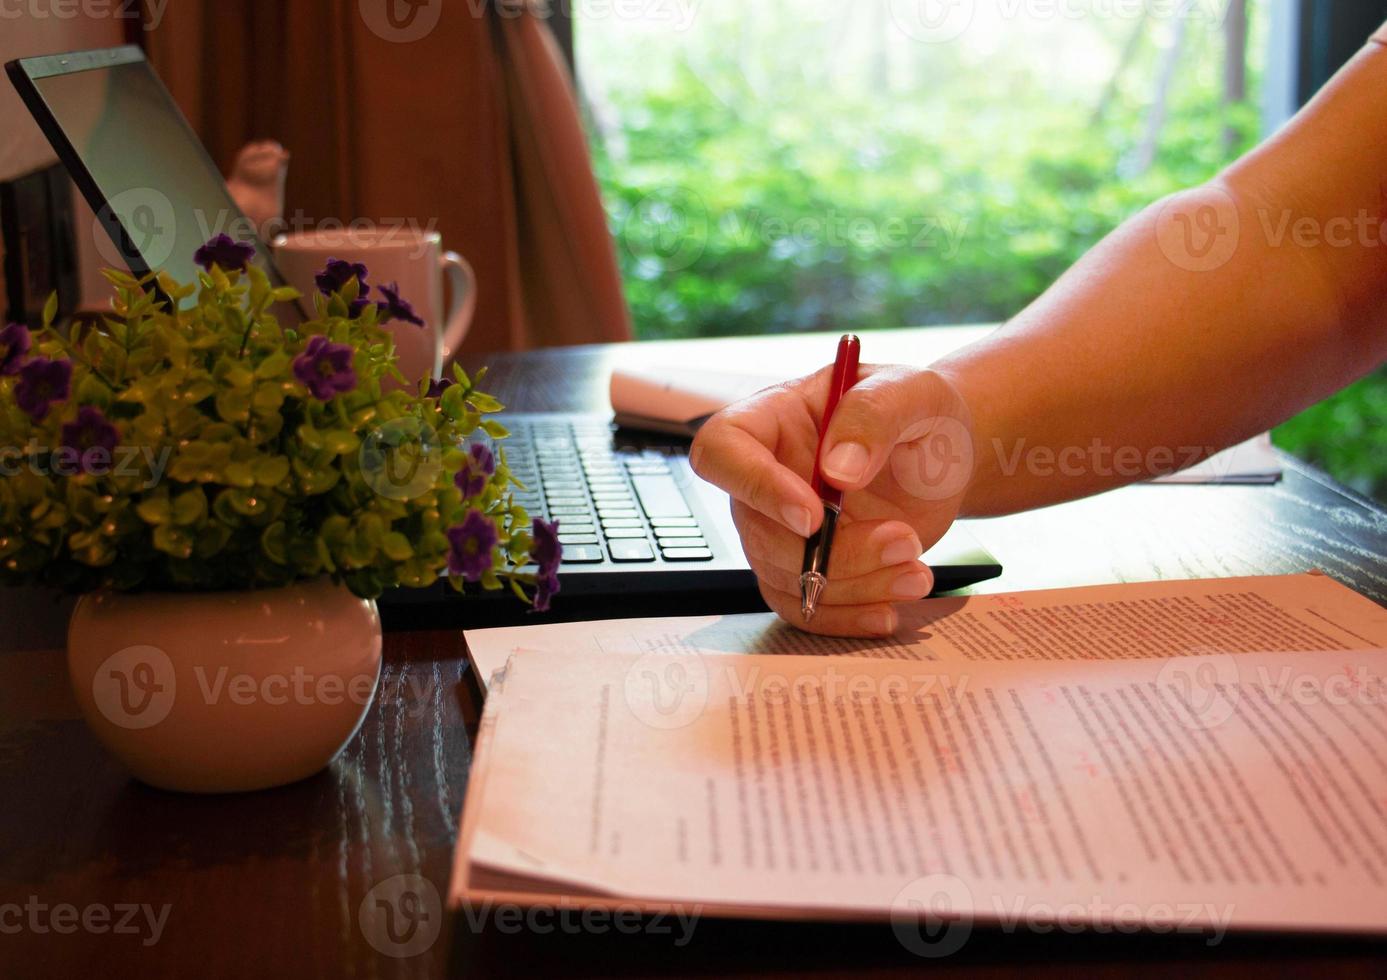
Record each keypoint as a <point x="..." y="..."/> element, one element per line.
<point x="825" y="165"/>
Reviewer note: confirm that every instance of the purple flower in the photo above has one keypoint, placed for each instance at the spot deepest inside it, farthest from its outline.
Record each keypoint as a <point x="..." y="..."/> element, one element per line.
<point x="325" y="368"/>
<point x="471" y="543"/>
<point x="438" y="387"/>
<point x="14" y="344"/>
<point x="334" y="278"/>
<point x="478" y="468"/>
<point x="92" y="438"/>
<point x="225" y="251"/>
<point x="42" y="382"/>
<point x="546" y="587"/>
<point x="396" y="308"/>
<point x="546" y="553"/>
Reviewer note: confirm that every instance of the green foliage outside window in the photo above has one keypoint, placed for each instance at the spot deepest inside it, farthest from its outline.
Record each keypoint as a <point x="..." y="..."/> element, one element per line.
<point x="758" y="193"/>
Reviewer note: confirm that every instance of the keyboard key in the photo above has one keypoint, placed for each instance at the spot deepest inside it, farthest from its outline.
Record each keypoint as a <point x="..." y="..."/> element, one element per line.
<point x="660" y="496"/>
<point x="624" y="532"/>
<point x="630" y="551"/>
<point x="566" y="499"/>
<point x="582" y="555"/>
<point x="667" y="544"/>
<point x="570" y="512"/>
<point x="570" y="539"/>
<point x="606" y="512"/>
<point x="673" y="522"/>
<point x="678" y="532"/>
<point x="577" y="527"/>
<point x="610" y="522"/>
<point x="687" y="554"/>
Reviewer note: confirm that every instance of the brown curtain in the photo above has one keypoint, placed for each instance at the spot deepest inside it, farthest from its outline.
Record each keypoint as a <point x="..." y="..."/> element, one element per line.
<point x="473" y="126"/>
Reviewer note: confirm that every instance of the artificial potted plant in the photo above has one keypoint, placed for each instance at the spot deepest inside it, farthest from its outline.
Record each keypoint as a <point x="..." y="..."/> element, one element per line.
<point x="228" y="494"/>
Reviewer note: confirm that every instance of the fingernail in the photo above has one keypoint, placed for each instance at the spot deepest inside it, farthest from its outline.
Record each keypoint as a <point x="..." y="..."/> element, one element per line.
<point x="913" y="585"/>
<point x="901" y="550"/>
<point x="846" y="462"/>
<point x="798" y="519"/>
<point x="879" y="623"/>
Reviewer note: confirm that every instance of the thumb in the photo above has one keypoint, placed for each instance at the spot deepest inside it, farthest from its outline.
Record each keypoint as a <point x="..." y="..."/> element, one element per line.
<point x="913" y="420"/>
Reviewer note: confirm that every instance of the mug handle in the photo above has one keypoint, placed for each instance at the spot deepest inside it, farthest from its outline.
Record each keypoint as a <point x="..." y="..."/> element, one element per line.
<point x="462" y="284"/>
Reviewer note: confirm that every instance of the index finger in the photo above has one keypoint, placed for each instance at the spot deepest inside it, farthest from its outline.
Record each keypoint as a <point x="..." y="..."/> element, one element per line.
<point x="728" y="454"/>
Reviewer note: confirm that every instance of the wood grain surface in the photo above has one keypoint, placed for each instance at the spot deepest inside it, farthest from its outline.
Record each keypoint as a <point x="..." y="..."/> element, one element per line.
<point x="302" y="881"/>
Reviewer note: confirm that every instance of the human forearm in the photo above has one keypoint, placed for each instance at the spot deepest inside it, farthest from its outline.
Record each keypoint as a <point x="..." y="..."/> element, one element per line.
<point x="1204" y="320"/>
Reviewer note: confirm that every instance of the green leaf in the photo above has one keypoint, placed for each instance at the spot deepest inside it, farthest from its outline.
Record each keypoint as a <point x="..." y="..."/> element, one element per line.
<point x="273" y="542"/>
<point x="155" y="510"/>
<point x="484" y="402"/>
<point x="270" y="471"/>
<point x="311" y="437"/>
<point x="234" y="406"/>
<point x="340" y="441"/>
<point x="189" y="507"/>
<point x="268" y="399"/>
<point x="121" y="279"/>
<point x="173" y="541"/>
<point x="396" y="546"/>
<point x="274" y="366"/>
<point x="240" y="474"/>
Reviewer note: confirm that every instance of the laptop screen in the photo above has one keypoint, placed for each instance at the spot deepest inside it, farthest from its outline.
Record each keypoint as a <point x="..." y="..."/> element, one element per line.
<point x="141" y="157"/>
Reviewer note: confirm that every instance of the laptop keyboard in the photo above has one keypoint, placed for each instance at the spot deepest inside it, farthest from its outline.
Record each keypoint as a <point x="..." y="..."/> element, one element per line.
<point x="614" y="502"/>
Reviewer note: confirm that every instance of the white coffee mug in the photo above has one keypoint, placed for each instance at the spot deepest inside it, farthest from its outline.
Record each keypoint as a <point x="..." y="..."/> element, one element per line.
<point x="415" y="261"/>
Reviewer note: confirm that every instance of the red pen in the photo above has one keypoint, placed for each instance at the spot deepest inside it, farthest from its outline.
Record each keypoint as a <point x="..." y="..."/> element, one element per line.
<point x="814" y="578"/>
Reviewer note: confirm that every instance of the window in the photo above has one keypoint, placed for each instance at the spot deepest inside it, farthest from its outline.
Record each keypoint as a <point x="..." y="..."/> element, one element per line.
<point x="843" y="164"/>
<point x="792" y="165"/>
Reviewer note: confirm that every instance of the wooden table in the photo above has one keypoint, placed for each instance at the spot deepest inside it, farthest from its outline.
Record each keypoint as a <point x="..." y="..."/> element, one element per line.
<point x="272" y="883"/>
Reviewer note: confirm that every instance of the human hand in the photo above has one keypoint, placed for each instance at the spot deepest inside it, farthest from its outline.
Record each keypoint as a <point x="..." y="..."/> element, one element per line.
<point x="257" y="184"/>
<point x="900" y="446"/>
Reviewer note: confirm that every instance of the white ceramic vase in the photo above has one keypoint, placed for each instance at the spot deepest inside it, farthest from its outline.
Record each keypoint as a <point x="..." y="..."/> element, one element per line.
<point x="227" y="691"/>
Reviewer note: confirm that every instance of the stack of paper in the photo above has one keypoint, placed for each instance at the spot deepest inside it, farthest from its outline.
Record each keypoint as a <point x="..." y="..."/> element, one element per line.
<point x="1208" y="754"/>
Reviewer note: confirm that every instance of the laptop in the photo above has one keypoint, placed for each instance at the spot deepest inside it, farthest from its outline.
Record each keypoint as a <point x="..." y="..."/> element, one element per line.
<point x="642" y="534"/>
